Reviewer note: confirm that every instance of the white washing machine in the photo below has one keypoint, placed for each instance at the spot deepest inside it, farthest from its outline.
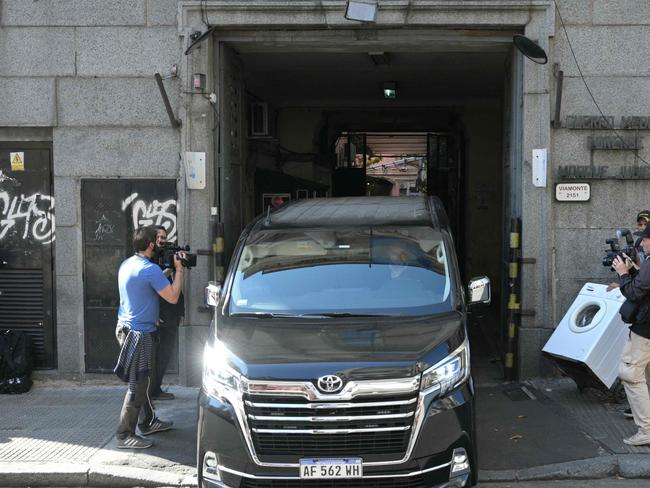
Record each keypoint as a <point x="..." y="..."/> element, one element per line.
<point x="588" y="342"/>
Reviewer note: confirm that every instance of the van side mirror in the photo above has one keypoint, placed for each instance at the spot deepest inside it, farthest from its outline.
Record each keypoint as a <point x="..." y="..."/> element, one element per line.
<point x="212" y="294"/>
<point x="479" y="291"/>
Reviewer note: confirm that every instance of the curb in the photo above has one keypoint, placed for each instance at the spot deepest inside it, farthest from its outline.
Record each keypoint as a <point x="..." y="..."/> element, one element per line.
<point x="31" y="474"/>
<point x="625" y="465"/>
<point x="28" y="474"/>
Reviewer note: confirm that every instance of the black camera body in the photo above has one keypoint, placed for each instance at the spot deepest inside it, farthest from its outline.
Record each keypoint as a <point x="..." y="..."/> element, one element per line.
<point x="616" y="250"/>
<point x="166" y="253"/>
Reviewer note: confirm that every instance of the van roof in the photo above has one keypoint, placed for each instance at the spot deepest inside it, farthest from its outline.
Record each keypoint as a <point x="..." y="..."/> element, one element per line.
<point x="351" y="211"/>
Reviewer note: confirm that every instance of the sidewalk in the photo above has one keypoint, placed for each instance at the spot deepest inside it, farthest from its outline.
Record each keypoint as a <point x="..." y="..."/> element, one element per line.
<point x="63" y="435"/>
<point x="546" y="429"/>
<point x="60" y="434"/>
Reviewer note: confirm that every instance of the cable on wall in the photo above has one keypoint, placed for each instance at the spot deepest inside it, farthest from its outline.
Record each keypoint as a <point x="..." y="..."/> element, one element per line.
<point x="593" y="98"/>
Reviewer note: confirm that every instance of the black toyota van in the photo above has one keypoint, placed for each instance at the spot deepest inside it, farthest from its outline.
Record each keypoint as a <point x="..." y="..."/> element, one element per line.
<point x="338" y="355"/>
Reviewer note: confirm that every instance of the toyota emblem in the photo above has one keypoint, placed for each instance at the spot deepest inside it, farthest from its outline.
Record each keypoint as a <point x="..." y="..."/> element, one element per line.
<point x="330" y="383"/>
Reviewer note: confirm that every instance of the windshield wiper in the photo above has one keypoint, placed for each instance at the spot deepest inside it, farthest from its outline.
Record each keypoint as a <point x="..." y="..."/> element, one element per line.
<point x="264" y="315"/>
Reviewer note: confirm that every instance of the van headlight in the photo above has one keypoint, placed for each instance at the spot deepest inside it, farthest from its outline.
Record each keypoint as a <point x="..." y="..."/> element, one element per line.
<point x="448" y="373"/>
<point x="218" y="377"/>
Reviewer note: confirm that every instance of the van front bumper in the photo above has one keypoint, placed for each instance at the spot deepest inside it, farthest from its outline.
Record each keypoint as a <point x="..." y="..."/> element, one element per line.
<point x="446" y="432"/>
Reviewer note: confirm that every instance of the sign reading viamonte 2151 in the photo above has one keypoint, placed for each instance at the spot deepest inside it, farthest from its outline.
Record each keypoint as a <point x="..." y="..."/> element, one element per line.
<point x="572" y="192"/>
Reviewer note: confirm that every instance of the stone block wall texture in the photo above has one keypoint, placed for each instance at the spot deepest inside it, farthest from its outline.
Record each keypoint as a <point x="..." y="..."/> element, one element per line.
<point x="86" y="69"/>
<point x="606" y="36"/>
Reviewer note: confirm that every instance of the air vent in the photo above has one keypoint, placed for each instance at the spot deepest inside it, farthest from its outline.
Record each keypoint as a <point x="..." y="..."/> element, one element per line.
<point x="22" y="306"/>
<point x="259" y="119"/>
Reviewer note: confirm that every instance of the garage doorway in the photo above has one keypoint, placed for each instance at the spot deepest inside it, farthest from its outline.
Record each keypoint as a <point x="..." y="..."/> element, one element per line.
<point x="303" y="111"/>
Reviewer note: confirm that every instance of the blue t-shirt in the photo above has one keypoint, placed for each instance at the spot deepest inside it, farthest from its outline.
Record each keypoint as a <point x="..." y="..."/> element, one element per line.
<point x="139" y="281"/>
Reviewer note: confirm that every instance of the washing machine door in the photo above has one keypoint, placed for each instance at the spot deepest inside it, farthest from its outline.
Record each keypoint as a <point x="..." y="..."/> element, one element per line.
<point x="587" y="315"/>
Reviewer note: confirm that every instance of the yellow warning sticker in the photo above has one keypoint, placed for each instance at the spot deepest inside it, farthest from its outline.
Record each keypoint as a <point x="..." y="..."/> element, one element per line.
<point x="17" y="161"/>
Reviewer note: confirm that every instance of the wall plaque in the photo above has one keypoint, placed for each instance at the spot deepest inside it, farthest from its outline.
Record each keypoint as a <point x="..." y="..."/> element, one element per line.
<point x="607" y="122"/>
<point x="572" y="192"/>
<point x="615" y="143"/>
<point x="603" y="172"/>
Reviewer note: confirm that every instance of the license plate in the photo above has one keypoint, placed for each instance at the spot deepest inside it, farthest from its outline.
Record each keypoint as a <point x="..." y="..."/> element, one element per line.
<point x="331" y="468"/>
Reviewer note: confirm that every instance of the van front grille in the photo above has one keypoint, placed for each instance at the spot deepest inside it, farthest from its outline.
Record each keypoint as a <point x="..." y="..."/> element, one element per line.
<point x="407" y="482"/>
<point x="292" y="426"/>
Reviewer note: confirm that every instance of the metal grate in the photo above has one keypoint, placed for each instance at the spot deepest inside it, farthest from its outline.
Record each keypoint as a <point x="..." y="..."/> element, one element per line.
<point x="407" y="482"/>
<point x="22" y="306"/>
<point x="332" y="445"/>
<point x="290" y="426"/>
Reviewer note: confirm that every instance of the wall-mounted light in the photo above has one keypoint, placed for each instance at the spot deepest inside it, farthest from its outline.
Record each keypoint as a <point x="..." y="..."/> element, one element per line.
<point x="530" y="49"/>
<point x="361" y="10"/>
<point x="390" y="90"/>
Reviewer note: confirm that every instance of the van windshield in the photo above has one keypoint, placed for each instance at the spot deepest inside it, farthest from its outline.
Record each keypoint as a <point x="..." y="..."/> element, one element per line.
<point x="346" y="271"/>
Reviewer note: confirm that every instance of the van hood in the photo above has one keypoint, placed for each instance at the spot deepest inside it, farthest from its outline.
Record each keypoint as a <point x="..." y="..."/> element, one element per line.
<point x="355" y="348"/>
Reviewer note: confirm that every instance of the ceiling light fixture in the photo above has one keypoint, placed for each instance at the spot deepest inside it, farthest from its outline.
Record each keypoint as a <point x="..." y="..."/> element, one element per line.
<point x="390" y="90"/>
<point x="361" y="10"/>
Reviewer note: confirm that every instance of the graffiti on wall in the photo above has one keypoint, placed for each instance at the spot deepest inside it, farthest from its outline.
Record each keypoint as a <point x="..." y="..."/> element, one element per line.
<point x="152" y="213"/>
<point x="28" y="217"/>
<point x="104" y="228"/>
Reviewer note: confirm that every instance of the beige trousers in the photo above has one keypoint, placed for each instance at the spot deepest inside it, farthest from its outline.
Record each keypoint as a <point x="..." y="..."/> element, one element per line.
<point x="632" y="372"/>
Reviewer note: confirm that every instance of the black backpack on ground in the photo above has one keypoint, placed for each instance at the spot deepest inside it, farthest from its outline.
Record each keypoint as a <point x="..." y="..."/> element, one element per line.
<point x="15" y="361"/>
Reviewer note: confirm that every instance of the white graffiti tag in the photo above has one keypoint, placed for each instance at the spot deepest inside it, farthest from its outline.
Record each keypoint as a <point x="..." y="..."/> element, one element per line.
<point x="104" y="227"/>
<point x="30" y="217"/>
<point x="152" y="213"/>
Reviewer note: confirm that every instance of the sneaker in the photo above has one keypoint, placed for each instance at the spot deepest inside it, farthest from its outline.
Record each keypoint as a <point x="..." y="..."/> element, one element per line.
<point x="627" y="413"/>
<point x="163" y="395"/>
<point x="638" y="439"/>
<point x="156" y="425"/>
<point x="133" y="442"/>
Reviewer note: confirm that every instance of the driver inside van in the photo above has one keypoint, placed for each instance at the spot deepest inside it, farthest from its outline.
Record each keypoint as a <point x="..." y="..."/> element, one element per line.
<point x="398" y="262"/>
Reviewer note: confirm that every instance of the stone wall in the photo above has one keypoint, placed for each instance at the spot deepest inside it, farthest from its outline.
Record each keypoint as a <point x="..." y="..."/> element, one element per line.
<point x="606" y="37"/>
<point x="84" y="68"/>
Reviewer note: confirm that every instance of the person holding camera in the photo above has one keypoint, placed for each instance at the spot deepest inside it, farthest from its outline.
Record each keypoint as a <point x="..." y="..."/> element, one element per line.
<point x="170" y="318"/>
<point x="141" y="283"/>
<point x="635" y="287"/>
<point x="642" y="219"/>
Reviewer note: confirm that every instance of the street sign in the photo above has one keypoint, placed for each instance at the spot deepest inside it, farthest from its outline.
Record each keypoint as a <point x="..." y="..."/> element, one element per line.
<point x="572" y="192"/>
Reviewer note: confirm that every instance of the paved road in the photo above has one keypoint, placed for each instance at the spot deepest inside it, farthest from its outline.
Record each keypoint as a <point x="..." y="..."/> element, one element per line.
<point x="604" y="483"/>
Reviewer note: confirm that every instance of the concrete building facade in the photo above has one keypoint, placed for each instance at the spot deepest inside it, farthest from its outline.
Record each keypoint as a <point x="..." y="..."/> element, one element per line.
<point x="78" y="76"/>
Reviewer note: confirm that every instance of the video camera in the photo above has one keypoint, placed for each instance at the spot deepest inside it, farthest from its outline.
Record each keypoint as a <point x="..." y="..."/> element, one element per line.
<point x="166" y="252"/>
<point x="615" y="248"/>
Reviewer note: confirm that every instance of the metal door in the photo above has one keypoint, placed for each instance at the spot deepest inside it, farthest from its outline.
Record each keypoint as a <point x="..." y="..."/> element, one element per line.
<point x="112" y="209"/>
<point x="235" y="183"/>
<point x="444" y="176"/>
<point x="349" y="178"/>
<point x="27" y="246"/>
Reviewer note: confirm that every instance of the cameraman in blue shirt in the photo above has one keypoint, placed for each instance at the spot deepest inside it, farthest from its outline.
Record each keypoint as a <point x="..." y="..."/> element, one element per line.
<point x="141" y="282"/>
